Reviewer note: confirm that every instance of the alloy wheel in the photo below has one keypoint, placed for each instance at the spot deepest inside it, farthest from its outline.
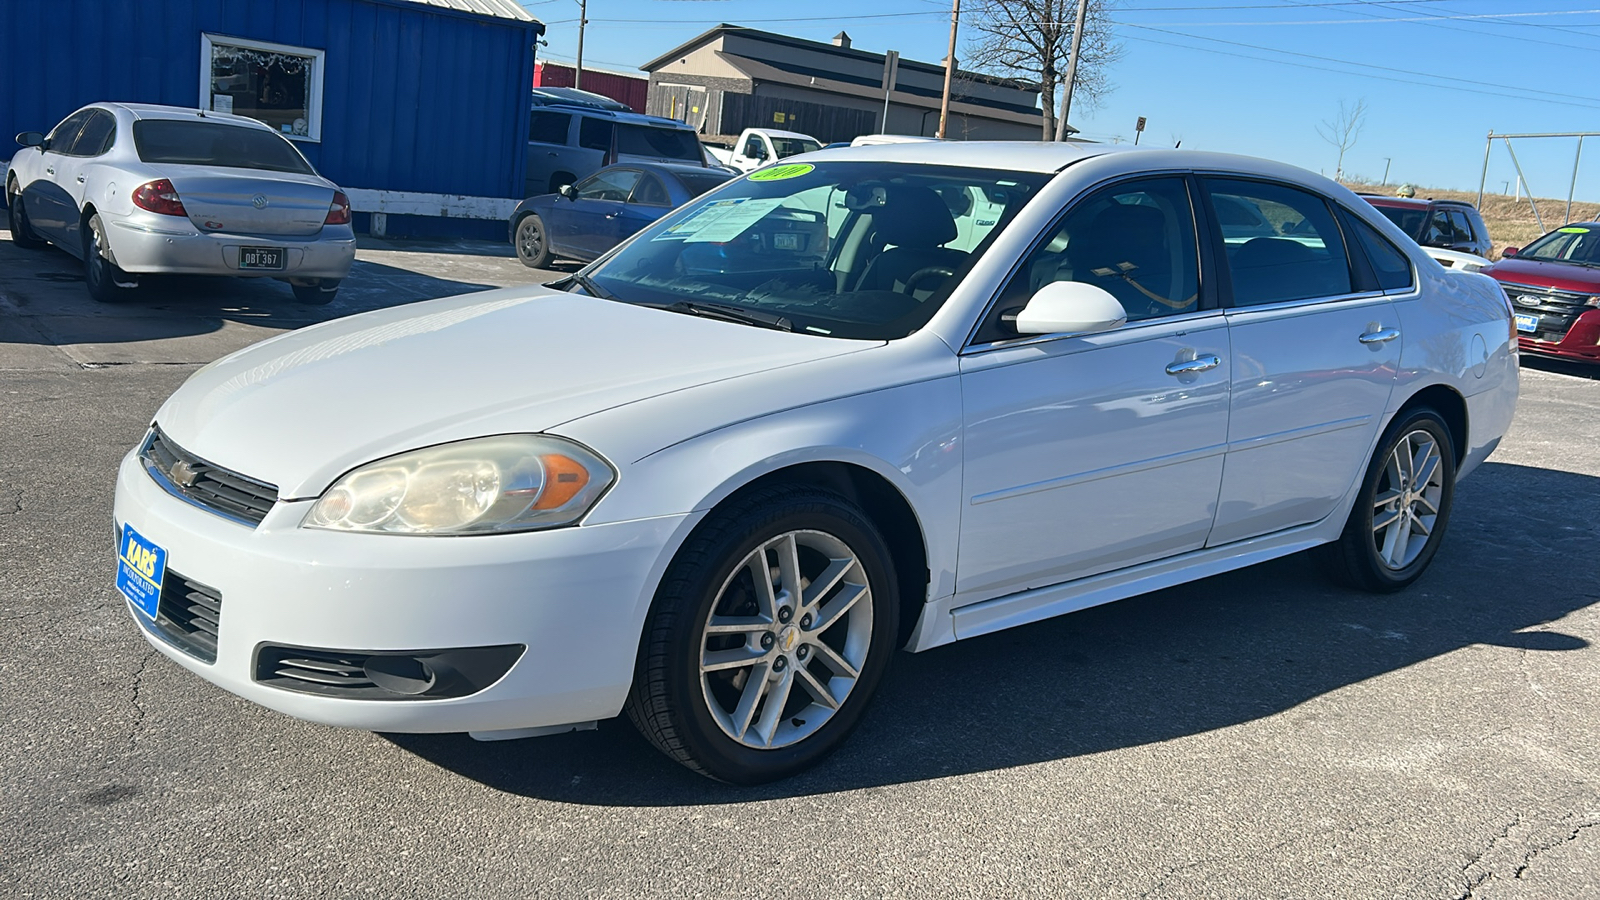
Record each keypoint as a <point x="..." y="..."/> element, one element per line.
<point x="1407" y="500"/>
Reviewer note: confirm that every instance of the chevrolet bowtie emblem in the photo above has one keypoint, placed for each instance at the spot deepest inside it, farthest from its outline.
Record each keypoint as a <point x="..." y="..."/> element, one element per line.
<point x="182" y="474"/>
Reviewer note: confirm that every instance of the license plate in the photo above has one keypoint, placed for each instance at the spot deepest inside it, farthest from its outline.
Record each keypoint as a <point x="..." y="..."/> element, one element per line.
<point x="141" y="565"/>
<point x="260" y="258"/>
<point x="1527" y="323"/>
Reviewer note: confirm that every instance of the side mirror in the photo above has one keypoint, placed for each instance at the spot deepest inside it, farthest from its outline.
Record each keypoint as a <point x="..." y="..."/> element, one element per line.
<point x="1508" y="252"/>
<point x="30" y="139"/>
<point x="1071" y="307"/>
<point x="568" y="191"/>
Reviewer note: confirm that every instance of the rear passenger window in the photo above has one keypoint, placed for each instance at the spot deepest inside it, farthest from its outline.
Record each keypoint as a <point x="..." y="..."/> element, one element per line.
<point x="1391" y="266"/>
<point x="1294" y="253"/>
<point x="594" y="134"/>
<point x="1461" y="227"/>
<point x="548" y="127"/>
<point x="649" y="192"/>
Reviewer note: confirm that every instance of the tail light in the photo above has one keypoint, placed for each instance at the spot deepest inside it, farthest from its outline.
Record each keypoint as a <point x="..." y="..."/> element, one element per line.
<point x="159" y="197"/>
<point x="338" y="210"/>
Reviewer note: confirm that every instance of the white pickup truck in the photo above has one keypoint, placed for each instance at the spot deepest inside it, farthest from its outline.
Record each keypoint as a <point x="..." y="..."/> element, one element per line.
<point x="758" y="147"/>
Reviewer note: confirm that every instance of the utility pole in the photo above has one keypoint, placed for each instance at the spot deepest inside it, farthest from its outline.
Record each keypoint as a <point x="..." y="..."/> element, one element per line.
<point x="583" y="19"/>
<point x="1386" y="161"/>
<point x="1072" y="70"/>
<point x="949" y="68"/>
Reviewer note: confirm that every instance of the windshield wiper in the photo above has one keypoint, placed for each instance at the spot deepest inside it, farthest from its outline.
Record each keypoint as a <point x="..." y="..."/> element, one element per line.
<point x="731" y="314"/>
<point x="589" y="285"/>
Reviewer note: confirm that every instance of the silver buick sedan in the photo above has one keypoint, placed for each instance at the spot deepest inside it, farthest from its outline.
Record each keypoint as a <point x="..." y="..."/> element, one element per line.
<point x="133" y="189"/>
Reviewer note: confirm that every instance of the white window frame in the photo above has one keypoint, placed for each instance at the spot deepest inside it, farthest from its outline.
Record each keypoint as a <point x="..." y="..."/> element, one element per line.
<point x="313" y="84"/>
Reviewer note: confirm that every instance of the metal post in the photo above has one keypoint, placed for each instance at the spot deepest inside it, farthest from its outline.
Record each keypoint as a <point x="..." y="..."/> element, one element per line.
<point x="1487" y="145"/>
<point x="949" y="68"/>
<point x="1522" y="180"/>
<point x="1072" y="72"/>
<point x="1574" y="186"/>
<point x="891" y="73"/>
<point x="1386" y="161"/>
<point x="583" y="19"/>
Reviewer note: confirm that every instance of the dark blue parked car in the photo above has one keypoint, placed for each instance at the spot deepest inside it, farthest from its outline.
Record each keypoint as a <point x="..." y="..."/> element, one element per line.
<point x="586" y="219"/>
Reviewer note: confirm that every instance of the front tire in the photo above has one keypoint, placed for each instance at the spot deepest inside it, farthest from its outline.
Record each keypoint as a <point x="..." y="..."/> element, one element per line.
<point x="107" y="283"/>
<point x="1403" y="509"/>
<point x="769" y="633"/>
<point x="533" y="244"/>
<point x="22" y="233"/>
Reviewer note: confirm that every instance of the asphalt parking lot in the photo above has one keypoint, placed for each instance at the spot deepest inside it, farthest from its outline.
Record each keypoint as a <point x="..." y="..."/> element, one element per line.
<point x="1259" y="734"/>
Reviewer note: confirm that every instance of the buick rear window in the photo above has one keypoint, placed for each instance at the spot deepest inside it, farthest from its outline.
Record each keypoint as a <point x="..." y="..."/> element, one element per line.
<point x="197" y="143"/>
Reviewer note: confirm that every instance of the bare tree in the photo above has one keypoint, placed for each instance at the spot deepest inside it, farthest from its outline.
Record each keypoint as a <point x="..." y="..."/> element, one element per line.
<point x="1342" y="130"/>
<point x="1031" y="40"/>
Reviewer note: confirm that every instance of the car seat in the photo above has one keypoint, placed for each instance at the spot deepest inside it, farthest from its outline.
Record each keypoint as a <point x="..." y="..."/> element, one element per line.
<point x="913" y="224"/>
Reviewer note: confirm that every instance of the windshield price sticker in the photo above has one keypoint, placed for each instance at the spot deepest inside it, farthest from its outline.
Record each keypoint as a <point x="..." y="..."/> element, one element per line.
<point x="720" y="221"/>
<point x="779" y="173"/>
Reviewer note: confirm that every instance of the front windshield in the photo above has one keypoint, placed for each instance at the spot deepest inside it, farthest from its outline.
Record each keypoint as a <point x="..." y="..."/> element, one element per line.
<point x="1577" y="244"/>
<point x="793" y="146"/>
<point x="866" y="250"/>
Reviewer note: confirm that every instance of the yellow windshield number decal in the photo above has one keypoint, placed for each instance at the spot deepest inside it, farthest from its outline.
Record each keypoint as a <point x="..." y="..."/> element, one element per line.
<point x="779" y="173"/>
<point x="1573" y="230"/>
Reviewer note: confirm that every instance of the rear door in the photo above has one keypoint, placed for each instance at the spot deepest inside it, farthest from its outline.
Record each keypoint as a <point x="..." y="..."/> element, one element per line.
<point x="1316" y="348"/>
<point x="50" y="208"/>
<point x="551" y="152"/>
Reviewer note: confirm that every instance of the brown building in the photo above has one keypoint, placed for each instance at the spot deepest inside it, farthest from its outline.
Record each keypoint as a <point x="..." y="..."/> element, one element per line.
<point x="731" y="78"/>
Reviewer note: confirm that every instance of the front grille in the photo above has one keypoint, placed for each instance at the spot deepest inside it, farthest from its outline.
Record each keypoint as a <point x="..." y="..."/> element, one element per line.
<point x="189" y="615"/>
<point x="208" y="486"/>
<point x="1557" y="310"/>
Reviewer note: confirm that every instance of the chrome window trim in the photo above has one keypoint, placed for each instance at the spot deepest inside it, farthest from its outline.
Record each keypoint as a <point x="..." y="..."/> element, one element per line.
<point x="1033" y="339"/>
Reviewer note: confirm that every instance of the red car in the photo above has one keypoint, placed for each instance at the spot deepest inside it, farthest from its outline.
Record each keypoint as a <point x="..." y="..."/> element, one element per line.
<point x="1554" y="286"/>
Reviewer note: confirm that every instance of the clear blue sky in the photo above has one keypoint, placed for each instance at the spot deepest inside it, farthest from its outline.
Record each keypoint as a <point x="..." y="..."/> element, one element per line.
<point x="1245" y="76"/>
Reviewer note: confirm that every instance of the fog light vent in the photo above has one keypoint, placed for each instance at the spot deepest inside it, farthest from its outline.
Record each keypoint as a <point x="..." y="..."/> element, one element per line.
<point x="386" y="674"/>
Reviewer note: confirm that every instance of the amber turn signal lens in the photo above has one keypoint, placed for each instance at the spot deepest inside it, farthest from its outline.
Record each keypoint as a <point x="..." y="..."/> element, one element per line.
<point x="564" y="478"/>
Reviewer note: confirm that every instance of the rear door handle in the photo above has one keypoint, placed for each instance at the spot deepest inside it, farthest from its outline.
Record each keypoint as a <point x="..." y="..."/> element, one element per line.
<point x="613" y="215"/>
<point x="1198" y="364"/>
<point x="1382" y="336"/>
<point x="80" y="179"/>
<point x="49" y="170"/>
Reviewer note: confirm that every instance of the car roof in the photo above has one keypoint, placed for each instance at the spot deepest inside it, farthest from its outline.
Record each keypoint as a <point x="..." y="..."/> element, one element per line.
<point x="773" y="132"/>
<point x="154" y="111"/>
<point x="1395" y="202"/>
<point x="630" y="118"/>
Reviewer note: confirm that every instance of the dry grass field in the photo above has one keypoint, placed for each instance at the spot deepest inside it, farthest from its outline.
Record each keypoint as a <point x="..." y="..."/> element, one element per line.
<point x="1511" y="221"/>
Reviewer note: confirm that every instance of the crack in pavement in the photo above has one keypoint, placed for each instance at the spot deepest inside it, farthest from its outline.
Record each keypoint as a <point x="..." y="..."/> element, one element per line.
<point x="1527" y="858"/>
<point x="138" y="708"/>
<point x="1475" y="882"/>
<point x="1155" y="890"/>
<point x="16" y="503"/>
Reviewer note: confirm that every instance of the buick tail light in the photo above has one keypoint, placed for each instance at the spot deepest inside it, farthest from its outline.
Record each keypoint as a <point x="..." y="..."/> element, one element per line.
<point x="338" y="210"/>
<point x="159" y="197"/>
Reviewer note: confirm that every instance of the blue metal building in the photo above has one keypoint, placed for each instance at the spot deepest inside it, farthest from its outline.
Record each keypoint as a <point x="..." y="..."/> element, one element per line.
<point x="418" y="108"/>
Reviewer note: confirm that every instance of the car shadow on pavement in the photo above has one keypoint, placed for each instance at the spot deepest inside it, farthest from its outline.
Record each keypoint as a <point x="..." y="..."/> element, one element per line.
<point x="1207" y="655"/>
<point x="43" y="297"/>
<point x="1590" y="371"/>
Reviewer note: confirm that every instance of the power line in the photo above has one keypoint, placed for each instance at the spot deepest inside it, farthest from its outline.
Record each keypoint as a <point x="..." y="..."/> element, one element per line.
<point x="1472" y="31"/>
<point x="1454" y="86"/>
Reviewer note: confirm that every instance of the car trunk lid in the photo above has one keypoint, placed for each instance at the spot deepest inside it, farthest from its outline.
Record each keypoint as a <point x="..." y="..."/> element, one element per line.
<point x="241" y="201"/>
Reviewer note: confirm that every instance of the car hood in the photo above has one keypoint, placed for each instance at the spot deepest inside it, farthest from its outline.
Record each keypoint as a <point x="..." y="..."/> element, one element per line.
<point x="1561" y="276"/>
<point x="303" y="408"/>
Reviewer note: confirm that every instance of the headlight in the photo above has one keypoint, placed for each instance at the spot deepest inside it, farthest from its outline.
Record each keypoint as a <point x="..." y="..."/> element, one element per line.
<point x="512" y="482"/>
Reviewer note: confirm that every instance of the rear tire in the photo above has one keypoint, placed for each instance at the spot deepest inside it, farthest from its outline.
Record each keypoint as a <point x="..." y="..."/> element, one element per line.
<point x="533" y="243"/>
<point x="107" y="283"/>
<point x="22" y="233"/>
<point x="1405" y="498"/>
<point x="319" y="294"/>
<point x="739" y="623"/>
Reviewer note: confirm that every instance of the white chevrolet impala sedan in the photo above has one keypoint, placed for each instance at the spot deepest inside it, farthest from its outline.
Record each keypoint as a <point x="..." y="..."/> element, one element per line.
<point x="873" y="398"/>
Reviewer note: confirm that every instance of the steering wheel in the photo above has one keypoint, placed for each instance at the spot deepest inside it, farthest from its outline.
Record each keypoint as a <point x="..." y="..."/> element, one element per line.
<point x="924" y="274"/>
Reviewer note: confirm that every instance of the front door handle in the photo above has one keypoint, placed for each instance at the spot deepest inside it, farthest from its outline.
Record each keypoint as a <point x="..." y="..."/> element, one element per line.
<point x="49" y="170"/>
<point x="80" y="179"/>
<point x="1381" y="336"/>
<point x="613" y="215"/>
<point x="1198" y="364"/>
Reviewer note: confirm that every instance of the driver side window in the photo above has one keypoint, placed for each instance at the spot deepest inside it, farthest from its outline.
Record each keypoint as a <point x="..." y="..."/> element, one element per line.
<point x="615" y="184"/>
<point x="1135" y="240"/>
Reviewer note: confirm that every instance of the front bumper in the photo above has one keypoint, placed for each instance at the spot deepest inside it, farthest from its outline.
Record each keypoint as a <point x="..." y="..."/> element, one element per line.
<point x="176" y="247"/>
<point x="576" y="597"/>
<point x="1581" y="342"/>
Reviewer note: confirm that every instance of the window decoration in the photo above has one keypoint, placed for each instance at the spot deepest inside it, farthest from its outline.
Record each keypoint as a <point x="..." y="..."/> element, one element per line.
<point x="272" y="83"/>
